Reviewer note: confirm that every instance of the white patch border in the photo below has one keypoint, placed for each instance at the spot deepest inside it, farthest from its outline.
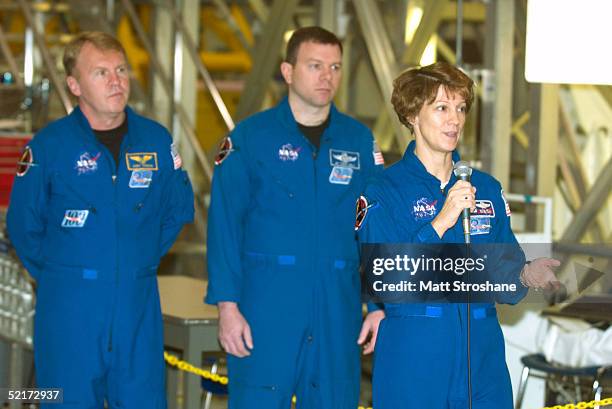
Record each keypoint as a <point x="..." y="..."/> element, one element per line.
<point x="143" y="186"/>
<point x="485" y="215"/>
<point x="81" y="224"/>
<point x="343" y="164"/>
<point x="490" y="226"/>
<point x="348" y="182"/>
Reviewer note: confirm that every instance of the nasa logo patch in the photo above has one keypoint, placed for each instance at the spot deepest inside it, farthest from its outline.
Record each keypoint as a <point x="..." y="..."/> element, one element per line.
<point x="424" y="208"/>
<point x="288" y="153"/>
<point x="87" y="163"/>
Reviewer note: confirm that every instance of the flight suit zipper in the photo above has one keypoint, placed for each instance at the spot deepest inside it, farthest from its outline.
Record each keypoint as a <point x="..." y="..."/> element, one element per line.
<point x="110" y="338"/>
<point x="114" y="176"/>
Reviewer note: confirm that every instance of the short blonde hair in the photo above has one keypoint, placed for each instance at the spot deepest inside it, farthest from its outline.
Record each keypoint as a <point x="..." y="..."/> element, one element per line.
<point x="99" y="39"/>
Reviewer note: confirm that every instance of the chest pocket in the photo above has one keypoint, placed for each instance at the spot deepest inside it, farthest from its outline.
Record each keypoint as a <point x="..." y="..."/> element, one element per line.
<point x="345" y="166"/>
<point x="483" y="220"/>
<point x="278" y="181"/>
<point x="71" y="204"/>
<point x="140" y="189"/>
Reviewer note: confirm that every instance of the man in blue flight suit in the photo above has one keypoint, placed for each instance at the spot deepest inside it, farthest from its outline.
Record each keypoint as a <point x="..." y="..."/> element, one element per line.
<point x="282" y="252"/>
<point x="99" y="198"/>
<point x="421" y="357"/>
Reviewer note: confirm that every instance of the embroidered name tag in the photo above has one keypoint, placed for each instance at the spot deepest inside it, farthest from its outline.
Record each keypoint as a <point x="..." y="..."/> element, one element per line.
<point x="75" y="218"/>
<point x="141" y="161"/>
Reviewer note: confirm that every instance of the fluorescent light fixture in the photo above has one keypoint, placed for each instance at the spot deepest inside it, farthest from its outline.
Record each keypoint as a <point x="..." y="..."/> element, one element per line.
<point x="287" y="35"/>
<point x="413" y="19"/>
<point x="28" y="60"/>
<point x="568" y="42"/>
<point x="429" y="54"/>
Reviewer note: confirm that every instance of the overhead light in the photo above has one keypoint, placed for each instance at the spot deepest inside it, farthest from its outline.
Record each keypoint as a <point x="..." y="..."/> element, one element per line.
<point x="429" y="54"/>
<point x="288" y="35"/>
<point x="413" y="19"/>
<point x="568" y="42"/>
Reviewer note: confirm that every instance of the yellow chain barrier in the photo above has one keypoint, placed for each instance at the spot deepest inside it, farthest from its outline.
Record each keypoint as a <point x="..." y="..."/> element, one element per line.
<point x="583" y="405"/>
<point x="174" y="361"/>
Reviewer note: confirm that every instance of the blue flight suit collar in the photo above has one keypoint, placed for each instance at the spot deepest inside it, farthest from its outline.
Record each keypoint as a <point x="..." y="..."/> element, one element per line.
<point x="131" y="139"/>
<point x="415" y="167"/>
<point x="81" y="120"/>
<point x="287" y="119"/>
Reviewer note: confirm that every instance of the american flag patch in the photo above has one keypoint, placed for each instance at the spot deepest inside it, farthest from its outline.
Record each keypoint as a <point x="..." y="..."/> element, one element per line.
<point x="378" y="156"/>
<point x="176" y="157"/>
<point x="508" y="212"/>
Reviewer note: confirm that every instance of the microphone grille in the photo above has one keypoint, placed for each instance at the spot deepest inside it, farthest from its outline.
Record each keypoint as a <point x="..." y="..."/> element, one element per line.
<point x="462" y="168"/>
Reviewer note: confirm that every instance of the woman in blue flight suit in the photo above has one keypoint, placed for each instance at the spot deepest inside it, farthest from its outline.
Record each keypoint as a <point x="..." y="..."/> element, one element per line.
<point x="421" y="357"/>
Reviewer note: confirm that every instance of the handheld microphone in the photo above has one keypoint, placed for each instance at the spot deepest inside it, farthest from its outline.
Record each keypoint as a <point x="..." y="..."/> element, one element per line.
<point x="463" y="171"/>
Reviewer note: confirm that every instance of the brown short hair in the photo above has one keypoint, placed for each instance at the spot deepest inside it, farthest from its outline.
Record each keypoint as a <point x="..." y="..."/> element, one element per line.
<point x="99" y="39"/>
<point x="312" y="34"/>
<point x="417" y="86"/>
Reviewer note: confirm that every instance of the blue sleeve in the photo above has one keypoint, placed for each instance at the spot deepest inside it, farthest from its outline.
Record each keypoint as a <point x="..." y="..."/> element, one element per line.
<point x="510" y="257"/>
<point x="229" y="204"/>
<point x="178" y="207"/>
<point x="26" y="218"/>
<point x="376" y="226"/>
<point x="380" y="226"/>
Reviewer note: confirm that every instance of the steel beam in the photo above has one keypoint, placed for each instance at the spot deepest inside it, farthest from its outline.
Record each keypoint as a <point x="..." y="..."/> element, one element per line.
<point x="383" y="60"/>
<point x="46" y="55"/>
<point x="183" y="116"/>
<point x="595" y="250"/>
<point x="164" y="48"/>
<point x="233" y="25"/>
<point x="9" y="57"/>
<point x="265" y="59"/>
<point x="472" y="12"/>
<point x="606" y="92"/>
<point x="260" y="9"/>
<point x="432" y="15"/>
<point x="327" y="15"/>
<point x="496" y="115"/>
<point x="597" y="196"/>
<point x="191" y="48"/>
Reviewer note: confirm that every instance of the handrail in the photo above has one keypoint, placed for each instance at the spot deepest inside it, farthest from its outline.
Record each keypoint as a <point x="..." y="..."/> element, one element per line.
<point x="233" y="25"/>
<point x="192" y="50"/>
<point x="10" y="58"/>
<point x="165" y="82"/>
